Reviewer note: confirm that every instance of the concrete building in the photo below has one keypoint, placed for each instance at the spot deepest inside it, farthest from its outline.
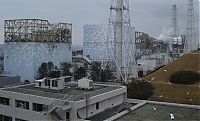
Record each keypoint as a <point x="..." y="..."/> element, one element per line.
<point x="177" y="46"/>
<point x="30" y="42"/>
<point x="146" y="44"/>
<point x="62" y="99"/>
<point x="101" y="46"/>
<point x="9" y="80"/>
<point x="148" y="63"/>
<point x="77" y="50"/>
<point x="158" y="111"/>
<point x="94" y="41"/>
<point x="58" y="99"/>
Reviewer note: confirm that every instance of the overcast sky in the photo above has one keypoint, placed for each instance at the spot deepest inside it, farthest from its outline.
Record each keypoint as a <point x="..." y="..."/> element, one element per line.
<point x="150" y="16"/>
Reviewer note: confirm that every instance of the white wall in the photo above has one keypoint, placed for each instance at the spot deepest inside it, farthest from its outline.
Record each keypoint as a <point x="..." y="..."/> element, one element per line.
<point x="23" y="113"/>
<point x="23" y="59"/>
<point x="149" y="64"/>
<point x="107" y="100"/>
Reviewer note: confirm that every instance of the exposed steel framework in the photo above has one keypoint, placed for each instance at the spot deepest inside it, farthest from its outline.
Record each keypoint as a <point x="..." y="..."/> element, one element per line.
<point x="120" y="43"/>
<point x="36" y="30"/>
<point x="148" y="45"/>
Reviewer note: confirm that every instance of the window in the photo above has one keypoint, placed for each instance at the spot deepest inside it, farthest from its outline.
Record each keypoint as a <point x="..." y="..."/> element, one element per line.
<point x="5" y="118"/>
<point x="68" y="79"/>
<point x="67" y="116"/>
<point x="97" y="105"/>
<point x="40" y="84"/>
<point x="17" y="119"/>
<point x="22" y="104"/>
<point x="54" y="83"/>
<point x="4" y="101"/>
<point x="39" y="107"/>
<point x="90" y="84"/>
<point x="47" y="82"/>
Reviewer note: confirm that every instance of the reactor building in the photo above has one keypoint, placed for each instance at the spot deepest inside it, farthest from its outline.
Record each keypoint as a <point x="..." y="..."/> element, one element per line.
<point x="30" y="42"/>
<point x="98" y="46"/>
<point x="94" y="41"/>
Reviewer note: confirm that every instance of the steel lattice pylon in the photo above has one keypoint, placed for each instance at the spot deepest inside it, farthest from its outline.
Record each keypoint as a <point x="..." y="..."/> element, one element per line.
<point x="120" y="41"/>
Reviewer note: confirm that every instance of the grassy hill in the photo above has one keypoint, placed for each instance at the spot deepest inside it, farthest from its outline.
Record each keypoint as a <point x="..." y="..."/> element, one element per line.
<point x="188" y="62"/>
<point x="178" y="93"/>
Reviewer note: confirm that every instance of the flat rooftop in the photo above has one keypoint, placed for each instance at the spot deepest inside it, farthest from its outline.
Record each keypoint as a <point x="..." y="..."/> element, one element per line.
<point x="72" y="93"/>
<point x="109" y="112"/>
<point x="162" y="113"/>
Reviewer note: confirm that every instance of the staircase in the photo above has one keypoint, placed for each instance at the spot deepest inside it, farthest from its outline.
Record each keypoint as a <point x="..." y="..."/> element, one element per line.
<point x="58" y="105"/>
<point x="125" y="106"/>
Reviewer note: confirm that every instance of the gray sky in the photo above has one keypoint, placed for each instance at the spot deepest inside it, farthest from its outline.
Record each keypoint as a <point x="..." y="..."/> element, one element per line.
<point x="150" y="16"/>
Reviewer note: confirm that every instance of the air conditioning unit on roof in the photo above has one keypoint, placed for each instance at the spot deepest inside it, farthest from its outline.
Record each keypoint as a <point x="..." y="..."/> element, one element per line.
<point x="85" y="83"/>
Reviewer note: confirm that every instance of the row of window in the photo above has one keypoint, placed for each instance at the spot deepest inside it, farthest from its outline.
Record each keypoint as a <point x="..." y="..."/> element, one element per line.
<point x="4" y="101"/>
<point x="23" y="104"/>
<point x="8" y="118"/>
<point x="54" y="83"/>
<point x="5" y="118"/>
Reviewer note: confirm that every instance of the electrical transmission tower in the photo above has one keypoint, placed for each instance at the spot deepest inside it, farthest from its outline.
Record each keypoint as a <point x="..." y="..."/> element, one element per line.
<point x="120" y="41"/>
<point x="190" y="43"/>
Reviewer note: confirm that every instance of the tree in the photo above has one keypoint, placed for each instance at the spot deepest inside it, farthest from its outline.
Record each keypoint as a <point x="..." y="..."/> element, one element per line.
<point x="106" y="74"/>
<point x="48" y="70"/>
<point x="140" y="89"/>
<point x="65" y="68"/>
<point x="80" y="72"/>
<point x="42" y="71"/>
<point x="54" y="73"/>
<point x="50" y="66"/>
<point x="95" y="71"/>
<point x="185" y="77"/>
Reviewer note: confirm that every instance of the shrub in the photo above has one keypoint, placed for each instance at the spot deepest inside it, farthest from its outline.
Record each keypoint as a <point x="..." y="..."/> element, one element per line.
<point x="80" y="72"/>
<point x="184" y="77"/>
<point x="65" y="68"/>
<point x="95" y="71"/>
<point x="47" y="70"/>
<point x="140" y="89"/>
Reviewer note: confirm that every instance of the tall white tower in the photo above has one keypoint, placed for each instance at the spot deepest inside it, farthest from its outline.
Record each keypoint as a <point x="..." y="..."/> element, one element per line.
<point x="121" y="44"/>
<point x="190" y="43"/>
<point x="174" y="21"/>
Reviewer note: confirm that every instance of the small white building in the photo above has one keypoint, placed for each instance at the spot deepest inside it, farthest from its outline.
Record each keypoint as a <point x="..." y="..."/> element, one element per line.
<point x="55" y="84"/>
<point x="37" y="102"/>
<point x="148" y="63"/>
